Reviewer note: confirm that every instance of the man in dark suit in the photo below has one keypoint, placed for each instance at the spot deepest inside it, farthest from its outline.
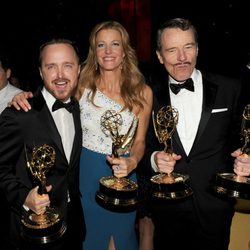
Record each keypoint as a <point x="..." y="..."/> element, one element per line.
<point x="59" y="128"/>
<point x="7" y="91"/>
<point x="207" y="132"/>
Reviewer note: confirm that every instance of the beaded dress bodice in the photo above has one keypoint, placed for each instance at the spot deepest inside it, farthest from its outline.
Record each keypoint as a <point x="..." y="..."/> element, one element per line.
<point x="93" y="136"/>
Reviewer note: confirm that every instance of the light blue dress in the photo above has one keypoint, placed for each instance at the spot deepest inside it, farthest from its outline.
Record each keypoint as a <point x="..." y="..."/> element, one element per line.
<point x="101" y="223"/>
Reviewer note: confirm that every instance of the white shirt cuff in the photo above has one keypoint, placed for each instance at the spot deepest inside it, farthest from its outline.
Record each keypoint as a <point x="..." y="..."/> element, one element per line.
<point x="26" y="208"/>
<point x="153" y="164"/>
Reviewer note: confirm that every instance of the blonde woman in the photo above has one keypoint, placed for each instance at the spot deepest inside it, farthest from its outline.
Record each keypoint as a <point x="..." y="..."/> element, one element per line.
<point x="110" y="80"/>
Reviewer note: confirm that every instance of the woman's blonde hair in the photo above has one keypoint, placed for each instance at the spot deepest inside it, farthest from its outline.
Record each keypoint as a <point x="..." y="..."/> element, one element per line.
<point x="132" y="80"/>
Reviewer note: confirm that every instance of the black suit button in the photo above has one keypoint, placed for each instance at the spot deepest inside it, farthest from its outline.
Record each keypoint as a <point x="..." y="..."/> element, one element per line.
<point x="188" y="160"/>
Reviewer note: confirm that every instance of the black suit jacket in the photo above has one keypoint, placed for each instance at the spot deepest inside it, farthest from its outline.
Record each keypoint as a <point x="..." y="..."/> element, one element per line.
<point x="21" y="129"/>
<point x="218" y="135"/>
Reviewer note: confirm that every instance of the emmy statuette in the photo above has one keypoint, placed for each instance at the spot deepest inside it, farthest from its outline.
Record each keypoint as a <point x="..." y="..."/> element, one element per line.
<point x="117" y="193"/>
<point x="230" y="184"/>
<point x="172" y="185"/>
<point x="49" y="226"/>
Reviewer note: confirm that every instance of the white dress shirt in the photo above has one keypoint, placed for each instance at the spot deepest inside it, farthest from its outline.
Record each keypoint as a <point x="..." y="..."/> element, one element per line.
<point x="189" y="106"/>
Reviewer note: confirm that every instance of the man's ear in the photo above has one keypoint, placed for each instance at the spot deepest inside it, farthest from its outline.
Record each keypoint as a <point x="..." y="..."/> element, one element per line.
<point x="41" y="73"/>
<point x="8" y="73"/>
<point x="158" y="53"/>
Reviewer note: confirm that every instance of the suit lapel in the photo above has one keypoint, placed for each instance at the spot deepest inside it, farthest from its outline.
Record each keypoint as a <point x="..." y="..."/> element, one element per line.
<point x="78" y="133"/>
<point x="209" y="95"/>
<point x="45" y="117"/>
<point x="163" y="97"/>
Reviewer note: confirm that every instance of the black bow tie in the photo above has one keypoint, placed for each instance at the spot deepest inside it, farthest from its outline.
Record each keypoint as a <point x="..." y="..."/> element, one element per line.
<point x="188" y="84"/>
<point x="69" y="105"/>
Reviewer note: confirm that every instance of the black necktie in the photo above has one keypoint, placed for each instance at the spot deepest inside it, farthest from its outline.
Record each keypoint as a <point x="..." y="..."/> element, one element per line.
<point x="188" y="84"/>
<point x="69" y="105"/>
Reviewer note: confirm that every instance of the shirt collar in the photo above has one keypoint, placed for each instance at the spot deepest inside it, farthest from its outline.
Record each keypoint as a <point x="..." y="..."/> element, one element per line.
<point x="194" y="76"/>
<point x="49" y="98"/>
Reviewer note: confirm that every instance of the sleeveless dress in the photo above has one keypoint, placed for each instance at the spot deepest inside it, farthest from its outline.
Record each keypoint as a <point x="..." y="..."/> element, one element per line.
<point x="101" y="223"/>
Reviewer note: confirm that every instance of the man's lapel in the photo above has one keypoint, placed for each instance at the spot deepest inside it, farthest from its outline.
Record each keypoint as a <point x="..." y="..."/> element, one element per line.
<point x="77" y="143"/>
<point x="163" y="98"/>
<point x="209" y="95"/>
<point x="45" y="118"/>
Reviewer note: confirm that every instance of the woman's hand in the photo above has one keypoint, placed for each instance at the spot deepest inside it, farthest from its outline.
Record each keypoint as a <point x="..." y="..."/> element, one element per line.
<point x="122" y="166"/>
<point x="20" y="101"/>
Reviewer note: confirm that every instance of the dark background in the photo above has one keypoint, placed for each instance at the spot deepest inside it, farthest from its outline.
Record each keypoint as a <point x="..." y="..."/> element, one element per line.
<point x="223" y="28"/>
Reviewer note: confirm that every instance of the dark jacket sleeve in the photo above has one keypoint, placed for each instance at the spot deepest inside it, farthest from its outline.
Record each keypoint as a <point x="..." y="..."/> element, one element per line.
<point x="11" y="148"/>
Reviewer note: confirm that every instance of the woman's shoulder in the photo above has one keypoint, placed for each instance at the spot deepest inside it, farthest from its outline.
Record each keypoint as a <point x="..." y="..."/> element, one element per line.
<point x="146" y="90"/>
<point x="81" y="93"/>
<point x="147" y="93"/>
<point x="146" y="97"/>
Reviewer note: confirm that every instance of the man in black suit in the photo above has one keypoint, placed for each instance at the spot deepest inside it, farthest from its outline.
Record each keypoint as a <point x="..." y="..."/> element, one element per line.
<point x="58" y="128"/>
<point x="7" y="91"/>
<point x="207" y="132"/>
